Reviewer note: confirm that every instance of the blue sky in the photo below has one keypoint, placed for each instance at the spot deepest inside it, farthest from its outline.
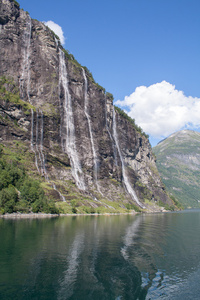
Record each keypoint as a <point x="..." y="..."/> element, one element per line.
<point x="145" y="52"/>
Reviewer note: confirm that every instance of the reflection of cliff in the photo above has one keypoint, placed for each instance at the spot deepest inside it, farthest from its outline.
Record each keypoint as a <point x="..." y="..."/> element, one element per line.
<point x="72" y="259"/>
<point x="106" y="274"/>
<point x="100" y="257"/>
<point x="65" y="125"/>
<point x="135" y="252"/>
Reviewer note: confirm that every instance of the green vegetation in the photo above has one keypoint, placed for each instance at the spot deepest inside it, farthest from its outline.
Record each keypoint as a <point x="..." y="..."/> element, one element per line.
<point x="9" y="92"/>
<point x="23" y="190"/>
<point x="109" y="96"/>
<point x="71" y="58"/>
<point x="177" y="203"/>
<point x="133" y="207"/>
<point x="145" y="193"/>
<point x="19" y="192"/>
<point x="54" y="34"/>
<point x="132" y="121"/>
<point x="166" y="206"/>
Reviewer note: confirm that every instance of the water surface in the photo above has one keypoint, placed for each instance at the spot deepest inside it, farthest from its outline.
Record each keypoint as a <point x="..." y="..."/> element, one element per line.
<point x="153" y="256"/>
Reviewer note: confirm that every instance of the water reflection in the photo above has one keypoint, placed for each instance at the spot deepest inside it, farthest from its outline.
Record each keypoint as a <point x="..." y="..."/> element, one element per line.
<point x="105" y="257"/>
<point x="73" y="261"/>
<point x="165" y="249"/>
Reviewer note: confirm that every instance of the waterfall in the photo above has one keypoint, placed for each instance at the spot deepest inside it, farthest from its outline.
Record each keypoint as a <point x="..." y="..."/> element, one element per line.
<point x="68" y="140"/>
<point x="32" y="120"/>
<point x="32" y="139"/>
<point x="42" y="157"/>
<point x="90" y="129"/>
<point x="25" y="78"/>
<point x="107" y="120"/>
<point x="41" y="146"/>
<point x="39" y="143"/>
<point x="25" y="75"/>
<point x="111" y="138"/>
<point x="39" y="150"/>
<point x="61" y="196"/>
<point x="36" y="147"/>
<point x="125" y="177"/>
<point x="36" y="141"/>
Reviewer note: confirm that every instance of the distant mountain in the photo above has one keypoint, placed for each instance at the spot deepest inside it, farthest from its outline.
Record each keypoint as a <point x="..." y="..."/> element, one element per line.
<point x="178" y="161"/>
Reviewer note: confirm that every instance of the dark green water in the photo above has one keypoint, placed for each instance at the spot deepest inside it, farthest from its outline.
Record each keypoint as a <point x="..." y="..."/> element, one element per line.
<point x="101" y="257"/>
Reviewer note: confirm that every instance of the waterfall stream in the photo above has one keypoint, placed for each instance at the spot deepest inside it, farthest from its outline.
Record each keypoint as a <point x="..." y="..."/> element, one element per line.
<point x="125" y="177"/>
<point x="90" y="130"/>
<point x="111" y="138"/>
<point x="68" y="140"/>
<point x="25" y="75"/>
<point x="25" y="78"/>
<point x="41" y="146"/>
<point x="61" y="196"/>
<point x="37" y="145"/>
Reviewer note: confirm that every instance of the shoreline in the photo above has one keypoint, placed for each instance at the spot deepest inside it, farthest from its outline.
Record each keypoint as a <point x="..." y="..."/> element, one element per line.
<point x="43" y="215"/>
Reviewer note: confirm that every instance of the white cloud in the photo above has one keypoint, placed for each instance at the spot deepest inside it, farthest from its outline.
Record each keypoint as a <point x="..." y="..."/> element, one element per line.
<point x="57" y="29"/>
<point x="160" y="109"/>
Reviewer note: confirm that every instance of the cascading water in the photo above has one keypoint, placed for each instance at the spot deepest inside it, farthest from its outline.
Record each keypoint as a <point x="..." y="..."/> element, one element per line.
<point x="36" y="147"/>
<point x="68" y="140"/>
<point x="113" y="144"/>
<point x="36" y="142"/>
<point x="32" y="139"/>
<point x="61" y="196"/>
<point x="39" y="150"/>
<point x="25" y="81"/>
<point x="125" y="177"/>
<point x="25" y="75"/>
<point x="90" y="130"/>
<point x="41" y="146"/>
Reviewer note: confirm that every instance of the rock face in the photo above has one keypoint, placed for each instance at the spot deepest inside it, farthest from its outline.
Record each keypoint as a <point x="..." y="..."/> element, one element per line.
<point x="68" y="122"/>
<point x="178" y="162"/>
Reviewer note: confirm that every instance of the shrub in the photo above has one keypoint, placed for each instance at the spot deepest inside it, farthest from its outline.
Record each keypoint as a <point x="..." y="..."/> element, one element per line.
<point x="134" y="207"/>
<point x="19" y="192"/>
<point x="74" y="210"/>
<point x="8" y="199"/>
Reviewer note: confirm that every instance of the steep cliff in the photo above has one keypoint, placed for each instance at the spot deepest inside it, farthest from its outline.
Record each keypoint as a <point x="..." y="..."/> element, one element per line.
<point x="64" y="128"/>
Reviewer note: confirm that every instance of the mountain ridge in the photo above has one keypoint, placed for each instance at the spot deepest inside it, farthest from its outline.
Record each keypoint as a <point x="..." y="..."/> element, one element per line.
<point x="178" y="161"/>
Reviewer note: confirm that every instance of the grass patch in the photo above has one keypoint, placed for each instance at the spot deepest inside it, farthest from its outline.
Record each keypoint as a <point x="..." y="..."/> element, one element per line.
<point x="9" y="92"/>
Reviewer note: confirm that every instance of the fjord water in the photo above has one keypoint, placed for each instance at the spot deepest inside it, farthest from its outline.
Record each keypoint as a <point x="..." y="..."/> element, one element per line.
<point x="151" y="256"/>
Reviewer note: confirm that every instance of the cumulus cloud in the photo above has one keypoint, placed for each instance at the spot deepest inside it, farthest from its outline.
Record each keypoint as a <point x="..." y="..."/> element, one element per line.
<point x="160" y="109"/>
<point x="57" y="29"/>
